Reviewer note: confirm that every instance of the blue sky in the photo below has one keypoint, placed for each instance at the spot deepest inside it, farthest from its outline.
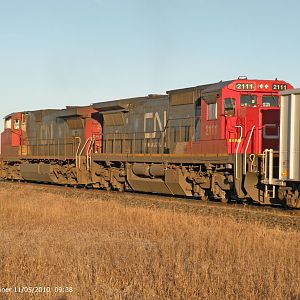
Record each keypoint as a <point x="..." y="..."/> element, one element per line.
<point x="74" y="52"/>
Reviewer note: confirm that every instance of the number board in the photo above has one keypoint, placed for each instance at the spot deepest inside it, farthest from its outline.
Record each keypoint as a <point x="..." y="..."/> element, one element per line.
<point x="245" y="86"/>
<point x="279" y="87"/>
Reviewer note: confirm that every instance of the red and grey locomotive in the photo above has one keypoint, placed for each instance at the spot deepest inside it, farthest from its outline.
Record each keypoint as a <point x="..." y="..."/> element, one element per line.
<point x="209" y="141"/>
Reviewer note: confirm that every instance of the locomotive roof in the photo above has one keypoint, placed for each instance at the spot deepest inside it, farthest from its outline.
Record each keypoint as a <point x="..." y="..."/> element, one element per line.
<point x="217" y="86"/>
<point x="120" y="104"/>
<point x="205" y="88"/>
<point x="10" y="115"/>
<point x="31" y="111"/>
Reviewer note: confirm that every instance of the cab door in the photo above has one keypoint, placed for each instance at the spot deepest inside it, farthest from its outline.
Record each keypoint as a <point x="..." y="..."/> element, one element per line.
<point x="94" y="127"/>
<point x="270" y="120"/>
<point x="231" y="132"/>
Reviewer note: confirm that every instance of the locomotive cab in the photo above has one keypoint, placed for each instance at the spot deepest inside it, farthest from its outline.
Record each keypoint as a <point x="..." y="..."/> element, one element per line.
<point x="240" y="122"/>
<point x="251" y="111"/>
<point x="12" y="136"/>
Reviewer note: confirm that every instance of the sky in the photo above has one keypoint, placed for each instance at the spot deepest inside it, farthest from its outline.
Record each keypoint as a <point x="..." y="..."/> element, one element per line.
<point x="55" y="53"/>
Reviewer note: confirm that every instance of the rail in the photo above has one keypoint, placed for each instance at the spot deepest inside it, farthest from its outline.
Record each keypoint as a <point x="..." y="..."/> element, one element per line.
<point x="151" y="142"/>
<point x="177" y="132"/>
<point x="62" y="148"/>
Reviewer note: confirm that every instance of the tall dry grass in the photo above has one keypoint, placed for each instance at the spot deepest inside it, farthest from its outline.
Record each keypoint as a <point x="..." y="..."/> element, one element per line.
<point x="105" y="250"/>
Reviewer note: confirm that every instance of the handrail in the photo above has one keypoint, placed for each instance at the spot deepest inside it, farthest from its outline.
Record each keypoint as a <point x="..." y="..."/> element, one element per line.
<point x="245" y="153"/>
<point x="89" y="154"/>
<point x="237" y="148"/>
<point x="77" y="151"/>
<point x="82" y="149"/>
<point x="51" y="147"/>
<point x="143" y="138"/>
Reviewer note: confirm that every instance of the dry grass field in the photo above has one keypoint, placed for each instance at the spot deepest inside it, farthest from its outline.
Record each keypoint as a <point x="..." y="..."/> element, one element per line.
<point x="105" y="250"/>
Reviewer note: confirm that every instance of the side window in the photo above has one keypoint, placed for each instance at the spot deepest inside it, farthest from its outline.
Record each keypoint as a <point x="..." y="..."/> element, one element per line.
<point x="17" y="124"/>
<point x="187" y="133"/>
<point x="175" y="134"/>
<point x="212" y="111"/>
<point x="198" y="120"/>
<point x="229" y="107"/>
<point x="7" y="124"/>
<point x="149" y="125"/>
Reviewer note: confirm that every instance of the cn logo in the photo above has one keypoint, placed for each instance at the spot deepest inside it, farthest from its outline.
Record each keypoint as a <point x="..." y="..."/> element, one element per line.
<point x="153" y="124"/>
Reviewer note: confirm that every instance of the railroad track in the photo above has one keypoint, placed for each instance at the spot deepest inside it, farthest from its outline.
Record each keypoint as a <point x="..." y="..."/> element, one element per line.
<point x="271" y="217"/>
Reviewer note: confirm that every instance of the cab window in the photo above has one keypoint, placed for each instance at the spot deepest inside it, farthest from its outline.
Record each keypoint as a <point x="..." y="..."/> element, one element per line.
<point x="7" y="124"/>
<point x="17" y="124"/>
<point x="248" y="100"/>
<point x="229" y="107"/>
<point x="212" y="111"/>
<point x="270" y="101"/>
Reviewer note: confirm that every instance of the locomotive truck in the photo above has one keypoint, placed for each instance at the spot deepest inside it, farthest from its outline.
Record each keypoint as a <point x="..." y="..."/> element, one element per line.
<point x="214" y="141"/>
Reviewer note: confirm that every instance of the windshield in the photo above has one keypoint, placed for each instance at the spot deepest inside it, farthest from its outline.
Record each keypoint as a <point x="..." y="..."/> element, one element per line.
<point x="248" y="100"/>
<point x="270" y="101"/>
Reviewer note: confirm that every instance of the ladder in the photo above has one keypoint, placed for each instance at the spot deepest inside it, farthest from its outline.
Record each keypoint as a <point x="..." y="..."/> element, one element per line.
<point x="268" y="171"/>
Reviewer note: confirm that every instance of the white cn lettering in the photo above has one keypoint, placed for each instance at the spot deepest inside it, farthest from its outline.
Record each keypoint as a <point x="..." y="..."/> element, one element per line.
<point x="157" y="124"/>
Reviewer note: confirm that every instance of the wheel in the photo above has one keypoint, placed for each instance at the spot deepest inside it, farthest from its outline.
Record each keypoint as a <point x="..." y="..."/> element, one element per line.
<point x="206" y="196"/>
<point x="226" y="198"/>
